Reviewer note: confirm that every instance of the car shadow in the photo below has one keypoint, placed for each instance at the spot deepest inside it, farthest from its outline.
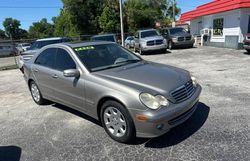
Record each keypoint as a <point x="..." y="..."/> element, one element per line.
<point x="77" y="113"/>
<point x="180" y="133"/>
<point x="174" y="136"/>
<point x="183" y="47"/>
<point x="246" y="53"/>
<point x="10" y="153"/>
<point x="156" y="52"/>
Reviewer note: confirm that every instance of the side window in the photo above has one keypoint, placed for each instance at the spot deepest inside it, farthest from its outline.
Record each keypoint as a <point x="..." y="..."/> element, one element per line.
<point x="64" y="60"/>
<point x="47" y="58"/>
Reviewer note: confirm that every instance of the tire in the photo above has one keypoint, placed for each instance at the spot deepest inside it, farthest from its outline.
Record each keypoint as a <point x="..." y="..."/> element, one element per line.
<point x="117" y="122"/>
<point x="170" y="45"/>
<point x="248" y="50"/>
<point x="140" y="51"/>
<point x="36" y="94"/>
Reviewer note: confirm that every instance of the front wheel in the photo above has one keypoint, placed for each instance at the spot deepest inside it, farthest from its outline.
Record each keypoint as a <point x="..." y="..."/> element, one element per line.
<point x="170" y="45"/>
<point x="117" y="122"/>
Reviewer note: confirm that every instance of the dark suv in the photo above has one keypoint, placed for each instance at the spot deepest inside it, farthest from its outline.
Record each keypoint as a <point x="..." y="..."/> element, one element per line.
<point x="177" y="37"/>
<point x="246" y="42"/>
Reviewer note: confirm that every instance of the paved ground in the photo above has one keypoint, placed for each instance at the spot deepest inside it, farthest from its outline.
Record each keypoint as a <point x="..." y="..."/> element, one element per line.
<point x="218" y="130"/>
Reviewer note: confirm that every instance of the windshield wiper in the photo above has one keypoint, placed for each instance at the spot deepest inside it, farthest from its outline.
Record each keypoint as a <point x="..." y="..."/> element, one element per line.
<point x="128" y="61"/>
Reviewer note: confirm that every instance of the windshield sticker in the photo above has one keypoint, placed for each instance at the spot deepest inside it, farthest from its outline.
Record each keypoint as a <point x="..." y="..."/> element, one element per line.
<point x="84" y="48"/>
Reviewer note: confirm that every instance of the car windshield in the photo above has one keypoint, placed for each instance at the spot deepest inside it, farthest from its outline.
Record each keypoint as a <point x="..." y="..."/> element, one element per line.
<point x="149" y="33"/>
<point x="177" y="30"/>
<point x="40" y="44"/>
<point x="105" y="38"/>
<point x="105" y="56"/>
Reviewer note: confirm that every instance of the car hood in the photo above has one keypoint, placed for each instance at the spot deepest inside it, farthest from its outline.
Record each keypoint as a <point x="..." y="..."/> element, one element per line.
<point x="152" y="38"/>
<point x="147" y="77"/>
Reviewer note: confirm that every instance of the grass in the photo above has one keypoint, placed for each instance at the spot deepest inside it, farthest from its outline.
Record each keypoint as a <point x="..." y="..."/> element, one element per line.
<point x="8" y="67"/>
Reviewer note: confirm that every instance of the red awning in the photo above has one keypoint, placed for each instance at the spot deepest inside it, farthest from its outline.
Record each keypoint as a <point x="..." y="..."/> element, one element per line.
<point x="216" y="6"/>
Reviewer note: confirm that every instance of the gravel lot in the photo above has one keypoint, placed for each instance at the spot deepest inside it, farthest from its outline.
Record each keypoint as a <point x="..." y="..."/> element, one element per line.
<point x="218" y="130"/>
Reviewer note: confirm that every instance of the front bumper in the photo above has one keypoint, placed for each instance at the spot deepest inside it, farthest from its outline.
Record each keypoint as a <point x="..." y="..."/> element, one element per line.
<point x="247" y="47"/>
<point x="154" y="47"/>
<point x="183" y="43"/>
<point x="162" y="120"/>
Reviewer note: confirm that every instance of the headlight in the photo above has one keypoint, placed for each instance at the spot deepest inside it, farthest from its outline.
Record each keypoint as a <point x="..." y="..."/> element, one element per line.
<point x="194" y="80"/>
<point x="153" y="102"/>
<point x="174" y="39"/>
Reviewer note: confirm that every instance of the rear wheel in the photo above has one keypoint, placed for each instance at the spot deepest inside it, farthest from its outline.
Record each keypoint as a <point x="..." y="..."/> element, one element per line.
<point x="117" y="122"/>
<point x="36" y="94"/>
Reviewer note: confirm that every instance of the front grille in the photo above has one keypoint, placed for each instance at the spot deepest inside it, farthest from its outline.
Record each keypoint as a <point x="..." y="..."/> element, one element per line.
<point x="188" y="38"/>
<point x="247" y="43"/>
<point x="155" y="42"/>
<point x="180" y="38"/>
<point x="183" y="92"/>
<point x="150" y="43"/>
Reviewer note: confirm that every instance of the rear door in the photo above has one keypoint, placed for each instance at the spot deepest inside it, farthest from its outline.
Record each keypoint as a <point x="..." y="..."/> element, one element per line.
<point x="43" y="69"/>
<point x="68" y="90"/>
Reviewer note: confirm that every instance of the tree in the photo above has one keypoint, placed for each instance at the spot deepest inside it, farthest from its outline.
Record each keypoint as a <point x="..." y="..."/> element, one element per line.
<point x="41" y="29"/>
<point x="83" y="15"/>
<point x="63" y="25"/>
<point x="109" y="20"/>
<point x="2" y="34"/>
<point x="11" y="27"/>
<point x="143" y="13"/>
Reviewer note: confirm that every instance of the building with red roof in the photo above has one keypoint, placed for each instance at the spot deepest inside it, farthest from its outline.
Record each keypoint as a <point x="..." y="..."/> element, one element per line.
<point x="226" y="22"/>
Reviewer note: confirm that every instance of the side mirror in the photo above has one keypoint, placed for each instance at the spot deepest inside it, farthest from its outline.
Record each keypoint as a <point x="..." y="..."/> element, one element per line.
<point x="71" y="73"/>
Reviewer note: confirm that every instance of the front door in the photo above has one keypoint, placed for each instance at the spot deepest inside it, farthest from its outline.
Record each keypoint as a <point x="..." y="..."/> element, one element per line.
<point x="68" y="90"/>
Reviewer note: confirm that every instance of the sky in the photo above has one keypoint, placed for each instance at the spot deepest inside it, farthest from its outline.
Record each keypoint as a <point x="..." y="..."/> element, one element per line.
<point x="24" y="11"/>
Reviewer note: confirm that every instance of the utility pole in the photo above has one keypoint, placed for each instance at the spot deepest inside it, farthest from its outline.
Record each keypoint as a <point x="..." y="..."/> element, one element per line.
<point x="173" y="24"/>
<point x="121" y="21"/>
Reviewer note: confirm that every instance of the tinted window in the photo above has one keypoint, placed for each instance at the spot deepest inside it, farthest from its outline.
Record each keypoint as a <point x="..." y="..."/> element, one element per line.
<point x="149" y="33"/>
<point x="64" y="60"/>
<point x="177" y="30"/>
<point x="40" y="44"/>
<point x="47" y="58"/>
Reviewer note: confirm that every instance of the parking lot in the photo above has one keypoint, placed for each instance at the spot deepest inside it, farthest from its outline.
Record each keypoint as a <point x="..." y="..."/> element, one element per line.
<point x="218" y="130"/>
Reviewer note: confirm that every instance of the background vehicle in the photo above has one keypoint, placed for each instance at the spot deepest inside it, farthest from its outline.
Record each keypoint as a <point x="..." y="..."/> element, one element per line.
<point x="129" y="42"/>
<point x="131" y="97"/>
<point x="22" y="47"/>
<point x="246" y="43"/>
<point x="177" y="37"/>
<point x="104" y="37"/>
<point x="38" y="44"/>
<point x="149" y="40"/>
<point x="7" y="49"/>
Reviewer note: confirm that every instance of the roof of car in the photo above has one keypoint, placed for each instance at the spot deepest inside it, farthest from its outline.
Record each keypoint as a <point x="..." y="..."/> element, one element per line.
<point x="51" y="38"/>
<point x="88" y="43"/>
<point x="146" y="30"/>
<point x="104" y="35"/>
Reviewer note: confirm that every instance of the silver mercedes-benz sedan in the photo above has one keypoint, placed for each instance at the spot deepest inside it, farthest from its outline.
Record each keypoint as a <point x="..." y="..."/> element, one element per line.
<point x="130" y="96"/>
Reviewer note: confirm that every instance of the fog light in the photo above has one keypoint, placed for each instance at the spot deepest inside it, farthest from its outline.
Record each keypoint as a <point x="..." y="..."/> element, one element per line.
<point x="160" y="126"/>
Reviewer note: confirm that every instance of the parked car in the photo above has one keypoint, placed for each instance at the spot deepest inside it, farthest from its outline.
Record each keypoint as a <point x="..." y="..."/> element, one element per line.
<point x="130" y="42"/>
<point x="36" y="46"/>
<point x="104" y="37"/>
<point x="7" y="49"/>
<point x="177" y="37"/>
<point x="22" y="47"/>
<point x="131" y="97"/>
<point x="149" y="40"/>
<point x="246" y="43"/>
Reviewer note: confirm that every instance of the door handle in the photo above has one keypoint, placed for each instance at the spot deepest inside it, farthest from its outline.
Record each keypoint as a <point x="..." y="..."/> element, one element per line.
<point x="35" y="70"/>
<point x="54" y="76"/>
